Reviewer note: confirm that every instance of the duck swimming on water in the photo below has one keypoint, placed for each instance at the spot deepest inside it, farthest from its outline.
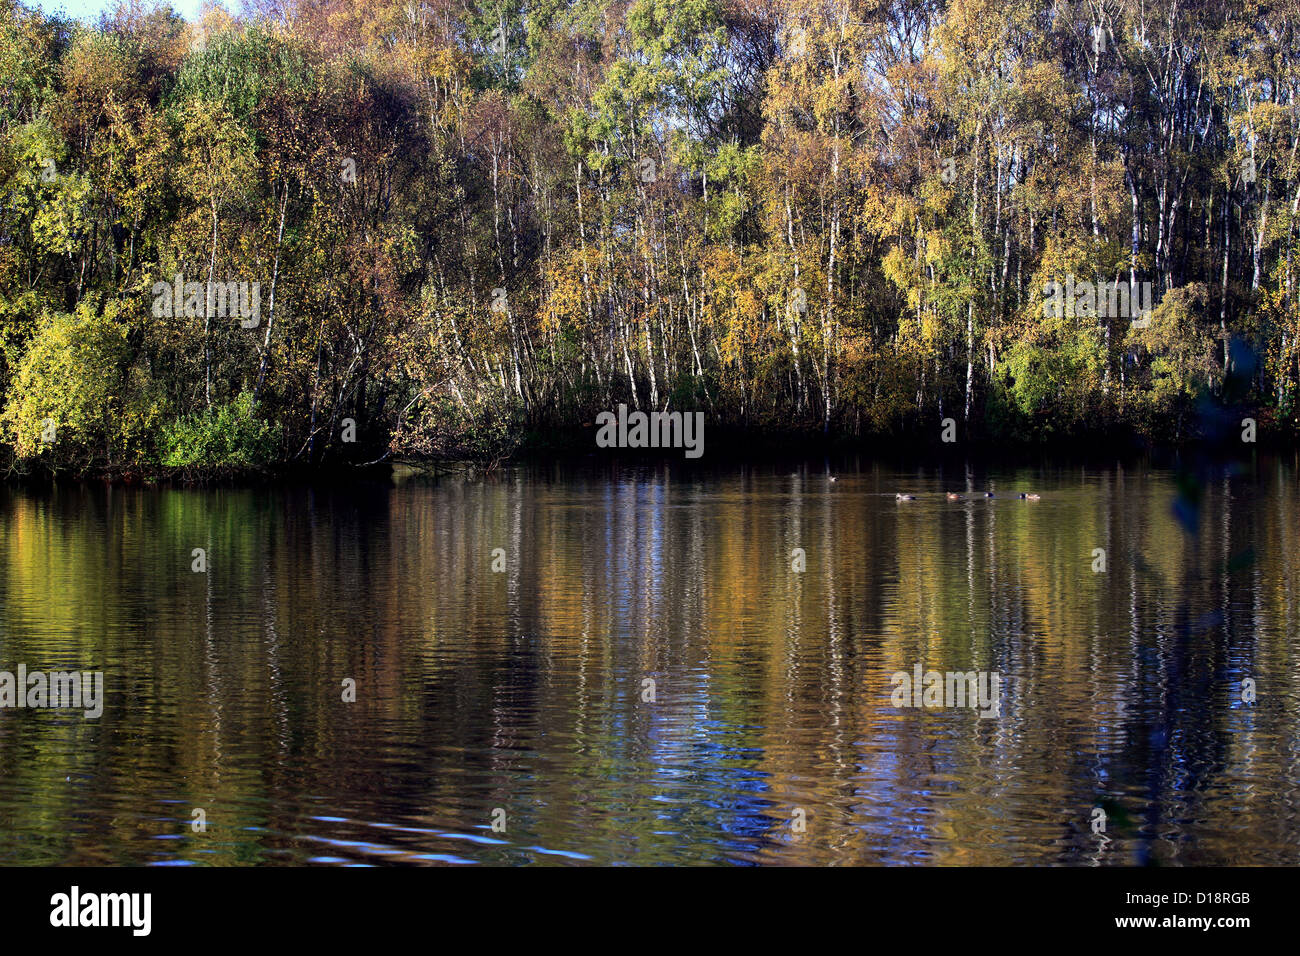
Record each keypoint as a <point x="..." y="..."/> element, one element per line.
<point x="905" y="497"/>
<point x="953" y="496"/>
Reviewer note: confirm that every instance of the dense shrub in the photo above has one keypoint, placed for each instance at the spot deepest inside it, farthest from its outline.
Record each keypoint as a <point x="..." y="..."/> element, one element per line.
<point x="75" y="395"/>
<point x="225" y="437"/>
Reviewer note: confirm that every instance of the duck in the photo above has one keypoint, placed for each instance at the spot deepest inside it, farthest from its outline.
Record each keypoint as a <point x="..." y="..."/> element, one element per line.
<point x="989" y="494"/>
<point x="953" y="496"/>
<point x="902" y="497"/>
<point x="1025" y="497"/>
<point x="830" y="478"/>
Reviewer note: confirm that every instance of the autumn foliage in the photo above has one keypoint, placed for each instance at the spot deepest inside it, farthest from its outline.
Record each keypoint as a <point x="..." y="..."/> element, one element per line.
<point x="472" y="222"/>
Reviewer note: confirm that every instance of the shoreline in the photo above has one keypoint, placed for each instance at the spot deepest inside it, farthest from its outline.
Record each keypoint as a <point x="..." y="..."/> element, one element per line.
<point x="727" y="447"/>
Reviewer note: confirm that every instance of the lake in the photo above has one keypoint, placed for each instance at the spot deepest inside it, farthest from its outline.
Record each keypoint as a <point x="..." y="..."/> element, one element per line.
<point x="613" y="662"/>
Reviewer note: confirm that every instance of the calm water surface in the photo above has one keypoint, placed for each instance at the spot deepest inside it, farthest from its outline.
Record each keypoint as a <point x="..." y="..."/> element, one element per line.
<point x="524" y="690"/>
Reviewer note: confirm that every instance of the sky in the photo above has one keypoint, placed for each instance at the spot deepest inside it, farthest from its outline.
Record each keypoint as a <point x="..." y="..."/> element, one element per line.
<point x="89" y="9"/>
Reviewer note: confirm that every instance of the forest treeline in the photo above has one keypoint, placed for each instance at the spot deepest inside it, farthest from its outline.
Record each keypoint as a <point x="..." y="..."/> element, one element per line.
<point x="325" y="231"/>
